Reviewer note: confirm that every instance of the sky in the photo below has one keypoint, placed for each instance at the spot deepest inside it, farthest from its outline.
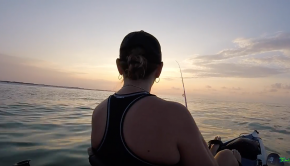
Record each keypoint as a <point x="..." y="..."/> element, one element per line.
<point x="228" y="50"/>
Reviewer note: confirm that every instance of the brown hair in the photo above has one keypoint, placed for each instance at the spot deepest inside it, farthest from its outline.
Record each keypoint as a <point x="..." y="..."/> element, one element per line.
<point x="135" y="65"/>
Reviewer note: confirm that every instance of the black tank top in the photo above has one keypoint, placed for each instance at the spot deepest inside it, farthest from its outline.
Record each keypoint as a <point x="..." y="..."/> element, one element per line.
<point x="113" y="150"/>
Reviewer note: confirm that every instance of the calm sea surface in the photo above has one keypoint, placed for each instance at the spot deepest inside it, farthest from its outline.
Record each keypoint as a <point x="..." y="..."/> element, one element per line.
<point x="51" y="126"/>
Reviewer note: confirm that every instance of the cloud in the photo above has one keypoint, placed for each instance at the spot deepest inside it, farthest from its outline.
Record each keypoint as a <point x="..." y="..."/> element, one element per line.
<point x="278" y="42"/>
<point x="280" y="86"/>
<point x="253" y="58"/>
<point x="273" y="90"/>
<point x="168" y="78"/>
<point x="175" y="88"/>
<point x="235" y="70"/>
<point x="272" y="59"/>
<point x="231" y="89"/>
<point x="238" y="88"/>
<point x="208" y="87"/>
<point x="277" y="87"/>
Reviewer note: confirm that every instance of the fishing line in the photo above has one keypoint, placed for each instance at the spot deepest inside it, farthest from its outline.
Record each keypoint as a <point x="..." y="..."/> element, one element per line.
<point x="184" y="95"/>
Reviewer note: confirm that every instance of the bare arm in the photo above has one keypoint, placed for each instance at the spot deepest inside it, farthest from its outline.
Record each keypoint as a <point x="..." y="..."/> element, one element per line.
<point x="191" y="145"/>
<point x="98" y="124"/>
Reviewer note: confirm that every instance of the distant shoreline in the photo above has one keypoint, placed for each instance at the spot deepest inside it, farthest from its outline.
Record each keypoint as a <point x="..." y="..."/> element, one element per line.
<point x="54" y="86"/>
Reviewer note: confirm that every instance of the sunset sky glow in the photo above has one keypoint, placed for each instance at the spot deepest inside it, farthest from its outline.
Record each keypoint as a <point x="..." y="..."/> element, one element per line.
<point x="238" y="50"/>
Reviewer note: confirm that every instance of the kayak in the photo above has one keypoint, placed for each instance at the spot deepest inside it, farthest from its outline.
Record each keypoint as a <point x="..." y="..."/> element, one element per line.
<point x="250" y="146"/>
<point x="252" y="150"/>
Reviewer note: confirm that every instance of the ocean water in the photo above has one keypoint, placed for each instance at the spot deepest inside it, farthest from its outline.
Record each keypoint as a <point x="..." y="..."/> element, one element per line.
<point x="51" y="126"/>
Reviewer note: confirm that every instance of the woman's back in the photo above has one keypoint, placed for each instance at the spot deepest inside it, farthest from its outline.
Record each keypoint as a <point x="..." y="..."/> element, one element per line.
<point x="131" y="128"/>
<point x="149" y="128"/>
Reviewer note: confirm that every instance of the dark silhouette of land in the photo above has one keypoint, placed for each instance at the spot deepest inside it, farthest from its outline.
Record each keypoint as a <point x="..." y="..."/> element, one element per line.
<point x="55" y="86"/>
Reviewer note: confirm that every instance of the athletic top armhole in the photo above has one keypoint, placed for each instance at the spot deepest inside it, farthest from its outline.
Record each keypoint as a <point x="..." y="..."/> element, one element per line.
<point x="107" y="124"/>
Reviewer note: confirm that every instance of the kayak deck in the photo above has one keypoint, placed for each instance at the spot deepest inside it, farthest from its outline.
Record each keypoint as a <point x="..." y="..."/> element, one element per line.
<point x="250" y="147"/>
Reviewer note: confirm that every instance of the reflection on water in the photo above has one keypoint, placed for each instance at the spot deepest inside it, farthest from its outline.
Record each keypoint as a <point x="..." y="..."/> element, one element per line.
<point x="51" y="126"/>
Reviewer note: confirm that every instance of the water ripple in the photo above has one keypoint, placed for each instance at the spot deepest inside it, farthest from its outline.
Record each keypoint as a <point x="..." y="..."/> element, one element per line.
<point x="51" y="126"/>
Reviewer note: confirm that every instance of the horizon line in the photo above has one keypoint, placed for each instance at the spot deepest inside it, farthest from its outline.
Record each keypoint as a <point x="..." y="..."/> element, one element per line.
<point x="55" y="86"/>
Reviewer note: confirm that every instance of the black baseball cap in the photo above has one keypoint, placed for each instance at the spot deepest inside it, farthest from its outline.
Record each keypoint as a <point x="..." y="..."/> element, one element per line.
<point x="144" y="40"/>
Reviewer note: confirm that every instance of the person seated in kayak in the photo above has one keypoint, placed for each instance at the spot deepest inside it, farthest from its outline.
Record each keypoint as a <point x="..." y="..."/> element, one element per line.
<point x="134" y="127"/>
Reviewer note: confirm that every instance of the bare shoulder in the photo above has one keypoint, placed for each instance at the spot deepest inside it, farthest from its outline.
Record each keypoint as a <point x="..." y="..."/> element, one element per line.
<point x="179" y="118"/>
<point x="100" y="108"/>
<point x="191" y="145"/>
<point x="172" y="113"/>
<point x="174" y="108"/>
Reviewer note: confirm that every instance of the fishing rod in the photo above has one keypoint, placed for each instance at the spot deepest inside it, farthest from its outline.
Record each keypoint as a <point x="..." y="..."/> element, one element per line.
<point x="184" y="95"/>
